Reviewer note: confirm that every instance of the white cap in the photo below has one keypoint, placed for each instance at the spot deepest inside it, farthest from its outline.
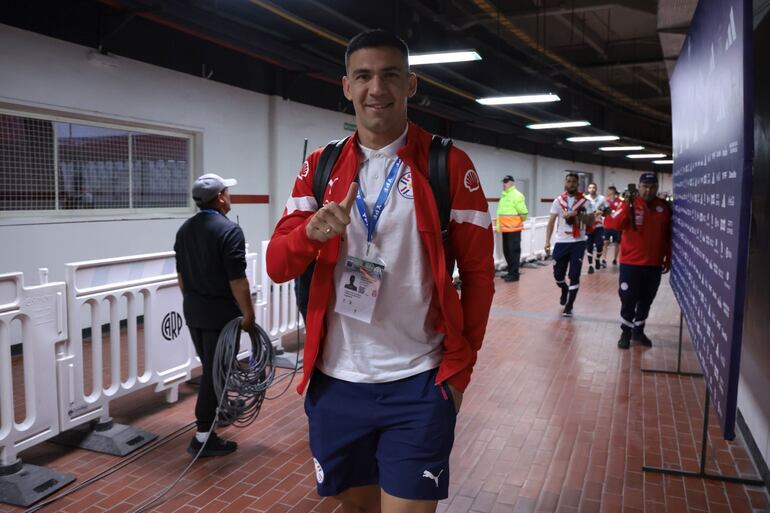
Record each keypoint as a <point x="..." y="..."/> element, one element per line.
<point x="207" y="187"/>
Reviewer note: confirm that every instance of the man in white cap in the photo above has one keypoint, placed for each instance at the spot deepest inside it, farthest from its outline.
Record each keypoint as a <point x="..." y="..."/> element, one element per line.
<point x="211" y="265"/>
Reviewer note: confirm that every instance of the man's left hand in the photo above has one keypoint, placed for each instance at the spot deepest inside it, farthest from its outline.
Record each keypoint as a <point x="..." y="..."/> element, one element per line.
<point x="457" y="397"/>
<point x="247" y="324"/>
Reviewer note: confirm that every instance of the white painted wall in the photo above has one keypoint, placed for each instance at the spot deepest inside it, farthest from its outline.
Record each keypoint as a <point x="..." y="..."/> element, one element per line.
<point x="752" y="396"/>
<point x="293" y="123"/>
<point x="492" y="164"/>
<point x="56" y="76"/>
<point x="666" y="183"/>
<point x="252" y="137"/>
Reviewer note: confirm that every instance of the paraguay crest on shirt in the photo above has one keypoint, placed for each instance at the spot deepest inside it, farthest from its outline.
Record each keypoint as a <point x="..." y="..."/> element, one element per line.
<point x="405" y="185"/>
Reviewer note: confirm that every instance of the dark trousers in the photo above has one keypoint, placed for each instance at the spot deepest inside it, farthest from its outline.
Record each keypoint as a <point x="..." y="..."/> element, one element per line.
<point x="595" y="241"/>
<point x="568" y="258"/>
<point x="512" y="252"/>
<point x="205" y="342"/>
<point x="638" y="287"/>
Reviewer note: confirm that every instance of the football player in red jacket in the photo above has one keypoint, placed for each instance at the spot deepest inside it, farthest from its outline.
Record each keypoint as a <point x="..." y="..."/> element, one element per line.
<point x="388" y="360"/>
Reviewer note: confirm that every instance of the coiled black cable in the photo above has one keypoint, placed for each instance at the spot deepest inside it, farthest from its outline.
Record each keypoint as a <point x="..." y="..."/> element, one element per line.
<point x="243" y="383"/>
<point x="240" y="385"/>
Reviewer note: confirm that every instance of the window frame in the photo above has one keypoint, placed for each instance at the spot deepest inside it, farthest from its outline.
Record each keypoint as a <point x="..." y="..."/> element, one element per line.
<point x="59" y="215"/>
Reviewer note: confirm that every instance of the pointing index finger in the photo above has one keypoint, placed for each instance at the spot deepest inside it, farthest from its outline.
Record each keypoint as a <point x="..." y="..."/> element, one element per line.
<point x="347" y="203"/>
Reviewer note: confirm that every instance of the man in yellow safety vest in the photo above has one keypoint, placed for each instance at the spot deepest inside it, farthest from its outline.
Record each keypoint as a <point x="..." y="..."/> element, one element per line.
<point x="511" y="214"/>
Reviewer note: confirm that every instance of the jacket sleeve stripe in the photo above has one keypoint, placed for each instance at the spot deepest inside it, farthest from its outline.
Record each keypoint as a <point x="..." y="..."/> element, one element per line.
<point x="481" y="219"/>
<point x="303" y="203"/>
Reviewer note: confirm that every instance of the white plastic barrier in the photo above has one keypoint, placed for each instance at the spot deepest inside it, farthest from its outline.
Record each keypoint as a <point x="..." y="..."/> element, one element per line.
<point x="526" y="241"/>
<point x="539" y="228"/>
<point x="147" y="284"/>
<point x="532" y="242"/>
<point x="499" y="256"/>
<point x="277" y="310"/>
<point x="41" y="312"/>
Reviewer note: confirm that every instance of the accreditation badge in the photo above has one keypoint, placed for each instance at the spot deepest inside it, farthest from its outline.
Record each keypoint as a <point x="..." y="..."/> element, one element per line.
<point x="360" y="289"/>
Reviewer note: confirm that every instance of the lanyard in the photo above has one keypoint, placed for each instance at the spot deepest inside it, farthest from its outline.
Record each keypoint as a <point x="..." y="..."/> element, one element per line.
<point x="371" y="225"/>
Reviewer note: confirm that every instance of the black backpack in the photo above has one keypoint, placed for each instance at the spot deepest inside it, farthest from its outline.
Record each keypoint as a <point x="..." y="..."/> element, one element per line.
<point x="438" y="176"/>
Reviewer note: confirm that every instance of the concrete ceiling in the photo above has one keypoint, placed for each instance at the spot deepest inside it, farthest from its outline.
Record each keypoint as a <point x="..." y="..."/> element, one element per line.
<point x="609" y="61"/>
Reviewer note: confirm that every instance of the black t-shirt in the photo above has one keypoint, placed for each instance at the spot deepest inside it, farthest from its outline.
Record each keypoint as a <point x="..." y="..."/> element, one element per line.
<point x="210" y="251"/>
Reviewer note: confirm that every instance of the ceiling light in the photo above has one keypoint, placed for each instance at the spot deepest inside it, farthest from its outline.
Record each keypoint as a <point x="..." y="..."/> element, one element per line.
<point x="662" y="161"/>
<point x="621" y="148"/>
<point x="593" y="138"/>
<point x="646" y="155"/>
<point x="511" y="100"/>
<point x="560" y="124"/>
<point x="443" y="57"/>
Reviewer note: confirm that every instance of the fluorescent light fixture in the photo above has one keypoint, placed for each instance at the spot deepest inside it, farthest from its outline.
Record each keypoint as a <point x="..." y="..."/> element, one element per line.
<point x="621" y="148"/>
<point x="560" y="124"/>
<point x="662" y="161"/>
<point x="511" y="100"/>
<point x="443" y="57"/>
<point x="646" y="155"/>
<point x="593" y="138"/>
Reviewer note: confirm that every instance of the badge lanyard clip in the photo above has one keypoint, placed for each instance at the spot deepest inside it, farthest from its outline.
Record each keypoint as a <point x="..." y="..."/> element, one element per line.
<point x="371" y="225"/>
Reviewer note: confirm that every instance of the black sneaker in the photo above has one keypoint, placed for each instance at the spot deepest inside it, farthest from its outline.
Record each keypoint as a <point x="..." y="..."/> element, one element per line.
<point x="215" y="446"/>
<point x="643" y="339"/>
<point x="590" y="269"/>
<point x="614" y="262"/>
<point x="564" y="293"/>
<point x="567" y="311"/>
<point x="625" y="340"/>
<point x="509" y="278"/>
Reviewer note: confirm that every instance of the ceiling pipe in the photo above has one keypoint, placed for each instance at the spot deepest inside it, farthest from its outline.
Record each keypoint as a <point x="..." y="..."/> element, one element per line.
<point x="546" y="67"/>
<point x="330" y="36"/>
<point x="315" y="29"/>
<point x="628" y="102"/>
<point x="200" y="35"/>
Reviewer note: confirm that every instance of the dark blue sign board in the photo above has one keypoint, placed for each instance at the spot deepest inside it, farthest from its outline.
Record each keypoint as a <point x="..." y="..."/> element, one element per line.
<point x="713" y="141"/>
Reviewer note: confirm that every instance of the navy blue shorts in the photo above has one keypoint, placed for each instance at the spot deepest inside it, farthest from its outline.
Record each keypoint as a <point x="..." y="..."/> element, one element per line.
<point x="397" y="435"/>
<point x="612" y="235"/>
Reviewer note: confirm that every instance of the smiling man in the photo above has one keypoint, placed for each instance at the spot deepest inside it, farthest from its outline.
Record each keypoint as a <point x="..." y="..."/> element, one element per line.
<point x="389" y="361"/>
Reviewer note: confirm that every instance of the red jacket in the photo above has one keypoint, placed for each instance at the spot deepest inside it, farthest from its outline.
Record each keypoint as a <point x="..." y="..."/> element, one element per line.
<point x="650" y="242"/>
<point x="463" y="319"/>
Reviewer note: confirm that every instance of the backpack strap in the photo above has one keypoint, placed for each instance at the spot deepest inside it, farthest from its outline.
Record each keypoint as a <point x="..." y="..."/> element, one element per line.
<point x="438" y="176"/>
<point x="323" y="169"/>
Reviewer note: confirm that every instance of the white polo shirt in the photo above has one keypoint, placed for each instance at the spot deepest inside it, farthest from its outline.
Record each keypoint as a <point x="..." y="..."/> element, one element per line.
<point x="400" y="341"/>
<point x="598" y="205"/>
<point x="564" y="230"/>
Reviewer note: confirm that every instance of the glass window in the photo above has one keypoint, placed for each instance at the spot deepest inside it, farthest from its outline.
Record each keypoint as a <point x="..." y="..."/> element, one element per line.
<point x="26" y="164"/>
<point x="53" y="165"/>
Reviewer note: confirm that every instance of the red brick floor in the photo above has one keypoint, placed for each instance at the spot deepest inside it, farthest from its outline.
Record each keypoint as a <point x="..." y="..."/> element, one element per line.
<point x="556" y="419"/>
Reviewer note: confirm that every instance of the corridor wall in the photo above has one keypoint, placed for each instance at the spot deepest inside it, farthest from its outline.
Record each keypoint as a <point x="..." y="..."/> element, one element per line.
<point x="254" y="138"/>
<point x="753" y="399"/>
